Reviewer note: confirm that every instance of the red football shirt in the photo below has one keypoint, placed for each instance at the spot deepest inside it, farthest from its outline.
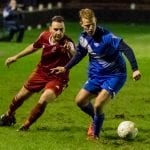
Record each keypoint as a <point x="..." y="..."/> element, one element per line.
<point x="52" y="55"/>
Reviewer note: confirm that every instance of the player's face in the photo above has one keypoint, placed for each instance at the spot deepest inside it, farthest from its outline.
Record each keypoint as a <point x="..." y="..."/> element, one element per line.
<point x="89" y="26"/>
<point x="13" y="3"/>
<point x="57" y="29"/>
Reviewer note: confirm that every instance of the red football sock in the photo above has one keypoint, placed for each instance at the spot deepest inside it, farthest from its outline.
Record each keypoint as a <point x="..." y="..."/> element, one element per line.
<point x="36" y="112"/>
<point x="14" y="105"/>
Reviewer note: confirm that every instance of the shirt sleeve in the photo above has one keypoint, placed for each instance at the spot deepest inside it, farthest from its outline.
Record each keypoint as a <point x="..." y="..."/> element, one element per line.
<point x="38" y="42"/>
<point x="128" y="52"/>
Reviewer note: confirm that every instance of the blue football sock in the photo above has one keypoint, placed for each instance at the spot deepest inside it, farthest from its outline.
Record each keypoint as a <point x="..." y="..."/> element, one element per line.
<point x="98" y="122"/>
<point x="88" y="109"/>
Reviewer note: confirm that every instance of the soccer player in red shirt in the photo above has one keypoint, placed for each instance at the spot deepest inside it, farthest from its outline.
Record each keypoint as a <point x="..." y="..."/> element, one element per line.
<point x="57" y="50"/>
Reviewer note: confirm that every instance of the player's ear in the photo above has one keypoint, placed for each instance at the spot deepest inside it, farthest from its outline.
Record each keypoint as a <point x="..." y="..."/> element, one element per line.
<point x="81" y="24"/>
<point x="50" y="28"/>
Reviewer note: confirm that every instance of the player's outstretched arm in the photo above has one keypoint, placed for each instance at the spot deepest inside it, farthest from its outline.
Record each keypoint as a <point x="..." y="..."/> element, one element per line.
<point x="131" y="57"/>
<point x="28" y="50"/>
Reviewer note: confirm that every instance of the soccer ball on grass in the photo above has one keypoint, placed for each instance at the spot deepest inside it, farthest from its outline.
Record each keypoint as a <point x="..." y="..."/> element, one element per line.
<point x="127" y="130"/>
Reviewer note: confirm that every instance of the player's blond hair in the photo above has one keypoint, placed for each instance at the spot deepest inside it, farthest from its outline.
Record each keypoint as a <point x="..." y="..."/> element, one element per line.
<point x="86" y="13"/>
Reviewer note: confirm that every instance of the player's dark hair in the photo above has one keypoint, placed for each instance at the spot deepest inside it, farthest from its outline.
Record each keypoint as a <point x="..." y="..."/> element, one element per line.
<point x="57" y="19"/>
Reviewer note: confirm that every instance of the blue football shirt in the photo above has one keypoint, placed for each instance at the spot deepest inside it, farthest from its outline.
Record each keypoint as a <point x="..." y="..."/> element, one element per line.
<point x="104" y="55"/>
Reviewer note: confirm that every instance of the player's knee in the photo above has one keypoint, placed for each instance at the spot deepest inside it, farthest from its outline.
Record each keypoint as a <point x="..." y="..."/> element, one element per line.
<point x="80" y="102"/>
<point x="98" y="108"/>
<point x="47" y="96"/>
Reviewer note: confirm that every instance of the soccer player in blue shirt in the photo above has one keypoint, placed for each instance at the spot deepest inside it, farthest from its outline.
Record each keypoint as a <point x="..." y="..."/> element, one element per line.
<point x="107" y="68"/>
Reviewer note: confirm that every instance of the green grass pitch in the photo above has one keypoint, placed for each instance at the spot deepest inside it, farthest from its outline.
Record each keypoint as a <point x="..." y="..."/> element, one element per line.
<point x="63" y="126"/>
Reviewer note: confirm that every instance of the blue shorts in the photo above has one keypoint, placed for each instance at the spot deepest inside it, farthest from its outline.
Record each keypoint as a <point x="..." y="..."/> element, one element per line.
<point x="112" y="84"/>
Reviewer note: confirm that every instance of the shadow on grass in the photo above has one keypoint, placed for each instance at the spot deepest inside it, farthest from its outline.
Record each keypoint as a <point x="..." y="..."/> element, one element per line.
<point x="109" y="137"/>
<point x="61" y="129"/>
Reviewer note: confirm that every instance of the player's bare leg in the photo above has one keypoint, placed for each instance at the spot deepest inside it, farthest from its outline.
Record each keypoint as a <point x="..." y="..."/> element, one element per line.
<point x="38" y="109"/>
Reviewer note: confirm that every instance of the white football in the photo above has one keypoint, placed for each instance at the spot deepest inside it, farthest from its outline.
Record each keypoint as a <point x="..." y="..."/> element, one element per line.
<point x="127" y="130"/>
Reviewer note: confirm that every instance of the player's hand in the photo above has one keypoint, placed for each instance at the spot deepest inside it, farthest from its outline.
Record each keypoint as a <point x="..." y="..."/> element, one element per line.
<point x="58" y="70"/>
<point x="10" y="60"/>
<point x="136" y="75"/>
<point x="66" y="47"/>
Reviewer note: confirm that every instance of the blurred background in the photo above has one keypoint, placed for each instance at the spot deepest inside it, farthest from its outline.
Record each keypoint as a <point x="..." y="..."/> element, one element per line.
<point x="38" y="12"/>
